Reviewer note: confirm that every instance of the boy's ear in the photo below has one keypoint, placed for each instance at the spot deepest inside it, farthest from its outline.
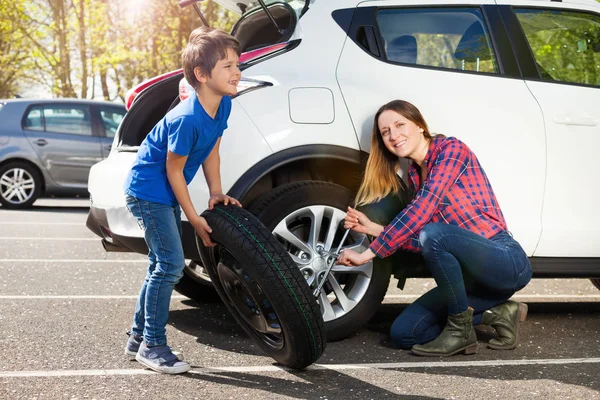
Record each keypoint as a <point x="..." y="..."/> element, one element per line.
<point x="200" y="77"/>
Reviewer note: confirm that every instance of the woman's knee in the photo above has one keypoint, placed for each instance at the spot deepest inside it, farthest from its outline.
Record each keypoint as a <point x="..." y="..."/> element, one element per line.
<point x="402" y="334"/>
<point x="430" y="236"/>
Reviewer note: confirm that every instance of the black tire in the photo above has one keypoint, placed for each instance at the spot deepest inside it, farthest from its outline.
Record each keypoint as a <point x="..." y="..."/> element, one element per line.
<point x="262" y="287"/>
<point x="196" y="287"/>
<point x="596" y="282"/>
<point x="31" y="176"/>
<point x="277" y="204"/>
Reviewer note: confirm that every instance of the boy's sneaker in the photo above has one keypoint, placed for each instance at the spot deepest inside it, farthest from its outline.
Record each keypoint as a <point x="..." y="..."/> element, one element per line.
<point x="161" y="359"/>
<point x="133" y="344"/>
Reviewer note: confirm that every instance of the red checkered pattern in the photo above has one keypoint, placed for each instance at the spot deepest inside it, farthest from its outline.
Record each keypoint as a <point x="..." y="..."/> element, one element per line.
<point x="456" y="192"/>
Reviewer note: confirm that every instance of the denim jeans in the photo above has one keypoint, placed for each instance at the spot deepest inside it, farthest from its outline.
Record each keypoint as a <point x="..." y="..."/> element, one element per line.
<point x="470" y="271"/>
<point x="162" y="231"/>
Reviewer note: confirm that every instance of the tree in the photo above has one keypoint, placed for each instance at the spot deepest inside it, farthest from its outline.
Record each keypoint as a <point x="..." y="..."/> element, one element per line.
<point x="69" y="46"/>
<point x="14" y="56"/>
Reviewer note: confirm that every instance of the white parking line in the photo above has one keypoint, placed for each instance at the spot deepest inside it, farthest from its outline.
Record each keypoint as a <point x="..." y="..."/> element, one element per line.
<point x="41" y="223"/>
<point x="14" y="260"/>
<point x="79" y="297"/>
<point x="409" y="297"/>
<point x="47" y="238"/>
<point x="515" y="297"/>
<point x="334" y="367"/>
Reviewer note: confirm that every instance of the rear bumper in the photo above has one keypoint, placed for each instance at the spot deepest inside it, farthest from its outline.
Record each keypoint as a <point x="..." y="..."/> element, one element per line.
<point x="113" y="240"/>
<point x="97" y="222"/>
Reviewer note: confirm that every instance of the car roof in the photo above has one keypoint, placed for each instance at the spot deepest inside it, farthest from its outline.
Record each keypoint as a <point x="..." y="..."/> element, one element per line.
<point x="62" y="101"/>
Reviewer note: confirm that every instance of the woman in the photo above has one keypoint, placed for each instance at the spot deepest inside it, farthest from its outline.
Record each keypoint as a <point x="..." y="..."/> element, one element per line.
<point x="455" y="222"/>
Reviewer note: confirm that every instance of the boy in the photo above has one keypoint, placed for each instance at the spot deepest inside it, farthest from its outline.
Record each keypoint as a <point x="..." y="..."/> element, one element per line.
<point x="167" y="160"/>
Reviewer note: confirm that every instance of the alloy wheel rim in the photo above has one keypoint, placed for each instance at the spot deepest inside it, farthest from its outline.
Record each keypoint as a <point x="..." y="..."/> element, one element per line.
<point x="197" y="272"/>
<point x="309" y="235"/>
<point x="249" y="299"/>
<point x="17" y="186"/>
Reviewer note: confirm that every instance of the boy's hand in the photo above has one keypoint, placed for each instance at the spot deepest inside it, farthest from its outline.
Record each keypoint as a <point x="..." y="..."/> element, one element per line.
<point x="222" y="198"/>
<point x="203" y="230"/>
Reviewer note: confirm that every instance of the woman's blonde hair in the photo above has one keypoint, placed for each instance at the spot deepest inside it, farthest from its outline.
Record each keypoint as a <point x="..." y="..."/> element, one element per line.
<point x="381" y="174"/>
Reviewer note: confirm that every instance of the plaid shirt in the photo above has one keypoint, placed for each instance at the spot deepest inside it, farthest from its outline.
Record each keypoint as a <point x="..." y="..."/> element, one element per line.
<point x="456" y="192"/>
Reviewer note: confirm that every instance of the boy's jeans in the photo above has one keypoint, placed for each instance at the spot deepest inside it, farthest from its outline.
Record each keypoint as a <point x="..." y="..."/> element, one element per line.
<point x="162" y="231"/>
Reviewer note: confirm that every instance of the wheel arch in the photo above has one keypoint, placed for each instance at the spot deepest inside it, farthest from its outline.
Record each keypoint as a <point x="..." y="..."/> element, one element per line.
<point x="337" y="164"/>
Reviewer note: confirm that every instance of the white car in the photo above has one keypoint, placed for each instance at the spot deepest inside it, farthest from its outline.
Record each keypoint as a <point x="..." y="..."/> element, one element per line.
<point x="517" y="80"/>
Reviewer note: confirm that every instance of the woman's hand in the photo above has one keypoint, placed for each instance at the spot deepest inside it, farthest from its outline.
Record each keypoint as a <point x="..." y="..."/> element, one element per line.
<point x="359" y="222"/>
<point x="351" y="258"/>
<point x="222" y="198"/>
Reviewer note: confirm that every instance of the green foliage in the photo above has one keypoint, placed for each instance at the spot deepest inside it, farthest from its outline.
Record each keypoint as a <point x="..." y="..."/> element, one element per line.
<point x="566" y="45"/>
<point x="74" y="47"/>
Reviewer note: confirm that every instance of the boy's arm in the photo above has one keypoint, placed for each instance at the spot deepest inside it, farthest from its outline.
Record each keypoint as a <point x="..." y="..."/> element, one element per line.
<point x="175" y="164"/>
<point x="212" y="172"/>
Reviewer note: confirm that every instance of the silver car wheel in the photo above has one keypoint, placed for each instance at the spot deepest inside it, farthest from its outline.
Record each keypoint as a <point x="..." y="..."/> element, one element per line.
<point x="197" y="272"/>
<point x="17" y="186"/>
<point x="310" y="232"/>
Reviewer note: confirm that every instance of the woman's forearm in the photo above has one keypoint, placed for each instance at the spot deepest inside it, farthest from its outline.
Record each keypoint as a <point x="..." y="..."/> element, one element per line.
<point x="376" y="230"/>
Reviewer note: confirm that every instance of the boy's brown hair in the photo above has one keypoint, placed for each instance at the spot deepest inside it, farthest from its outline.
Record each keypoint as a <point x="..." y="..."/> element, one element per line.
<point x="205" y="48"/>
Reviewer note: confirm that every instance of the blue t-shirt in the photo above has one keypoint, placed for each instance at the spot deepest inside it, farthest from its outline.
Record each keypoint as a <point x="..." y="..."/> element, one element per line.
<point x="186" y="130"/>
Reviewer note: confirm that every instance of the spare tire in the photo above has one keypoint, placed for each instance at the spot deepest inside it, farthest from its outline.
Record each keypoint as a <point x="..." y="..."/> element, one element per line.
<point x="262" y="287"/>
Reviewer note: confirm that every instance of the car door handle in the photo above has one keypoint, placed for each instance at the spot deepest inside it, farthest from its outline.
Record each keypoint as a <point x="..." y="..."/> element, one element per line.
<point x="41" y="142"/>
<point x="580" y="120"/>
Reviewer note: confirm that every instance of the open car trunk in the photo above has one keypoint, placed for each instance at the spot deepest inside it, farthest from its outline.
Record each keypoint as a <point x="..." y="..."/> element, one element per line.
<point x="253" y="30"/>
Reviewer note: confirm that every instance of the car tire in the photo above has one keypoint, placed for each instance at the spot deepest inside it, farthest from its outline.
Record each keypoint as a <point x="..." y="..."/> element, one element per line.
<point x="364" y="294"/>
<point x="29" y="183"/>
<point x="596" y="282"/>
<point x="262" y="287"/>
<point x="196" y="284"/>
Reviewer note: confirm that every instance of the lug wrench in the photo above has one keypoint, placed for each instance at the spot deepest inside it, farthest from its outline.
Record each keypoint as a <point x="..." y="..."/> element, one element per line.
<point x="330" y="263"/>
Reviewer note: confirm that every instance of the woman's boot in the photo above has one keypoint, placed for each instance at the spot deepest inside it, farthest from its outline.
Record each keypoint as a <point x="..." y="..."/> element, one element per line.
<point x="504" y="318"/>
<point x="458" y="336"/>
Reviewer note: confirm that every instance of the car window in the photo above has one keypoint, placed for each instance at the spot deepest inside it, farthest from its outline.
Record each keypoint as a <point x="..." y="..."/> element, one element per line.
<point x="34" y="120"/>
<point x="565" y="44"/>
<point x="111" y="118"/>
<point x="454" y="38"/>
<point x="70" y="119"/>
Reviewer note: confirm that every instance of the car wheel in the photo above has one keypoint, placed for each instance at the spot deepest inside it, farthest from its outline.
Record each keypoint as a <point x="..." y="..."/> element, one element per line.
<point x="196" y="284"/>
<point x="20" y="185"/>
<point x="262" y="287"/>
<point x="307" y="218"/>
<point x="596" y="282"/>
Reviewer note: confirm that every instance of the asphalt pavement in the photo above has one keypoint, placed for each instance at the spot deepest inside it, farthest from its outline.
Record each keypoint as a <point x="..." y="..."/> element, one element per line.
<point x="65" y="304"/>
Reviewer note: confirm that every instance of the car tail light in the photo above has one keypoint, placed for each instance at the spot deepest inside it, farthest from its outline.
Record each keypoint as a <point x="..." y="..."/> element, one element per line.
<point x="246" y="59"/>
<point x="253" y="55"/>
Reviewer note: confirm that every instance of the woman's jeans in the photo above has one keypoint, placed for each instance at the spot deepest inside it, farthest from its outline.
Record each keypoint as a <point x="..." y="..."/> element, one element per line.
<point x="162" y="231"/>
<point x="470" y="271"/>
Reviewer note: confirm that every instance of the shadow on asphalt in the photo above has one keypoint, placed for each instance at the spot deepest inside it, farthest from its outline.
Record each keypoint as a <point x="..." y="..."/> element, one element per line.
<point x="574" y="325"/>
<point x="212" y="324"/>
<point x="582" y="375"/>
<point x="553" y="330"/>
<point x="312" y="384"/>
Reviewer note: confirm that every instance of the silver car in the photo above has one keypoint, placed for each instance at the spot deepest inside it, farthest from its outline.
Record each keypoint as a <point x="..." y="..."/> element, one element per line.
<point x="48" y="146"/>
